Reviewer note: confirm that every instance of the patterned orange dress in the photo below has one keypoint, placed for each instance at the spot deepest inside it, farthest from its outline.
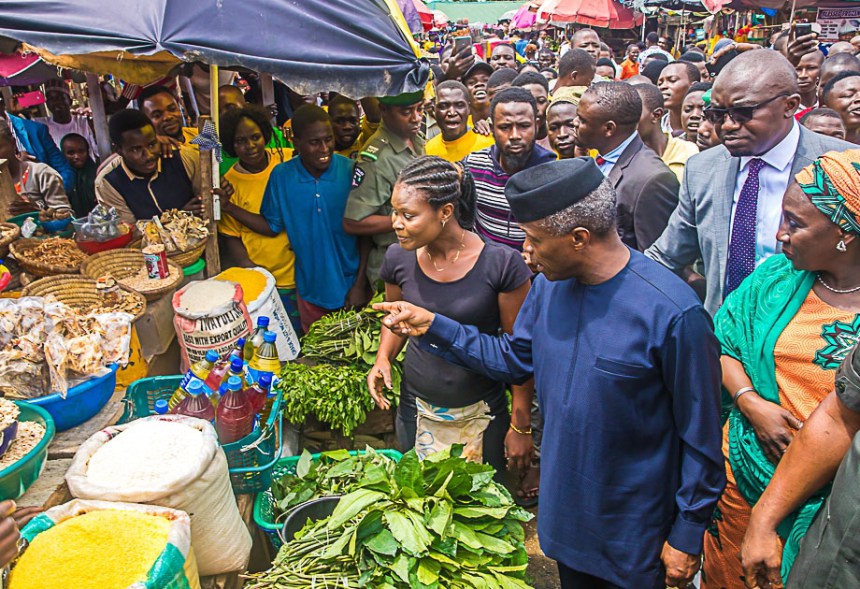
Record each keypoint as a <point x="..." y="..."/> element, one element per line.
<point x="806" y="357"/>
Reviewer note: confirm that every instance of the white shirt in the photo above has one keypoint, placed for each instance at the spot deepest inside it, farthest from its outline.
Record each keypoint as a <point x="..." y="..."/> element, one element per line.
<point x="655" y="49"/>
<point x="773" y="179"/>
<point x="611" y="158"/>
<point x="78" y="125"/>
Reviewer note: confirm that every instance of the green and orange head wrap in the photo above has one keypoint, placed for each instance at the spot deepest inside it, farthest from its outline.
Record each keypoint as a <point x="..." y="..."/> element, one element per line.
<point x="832" y="183"/>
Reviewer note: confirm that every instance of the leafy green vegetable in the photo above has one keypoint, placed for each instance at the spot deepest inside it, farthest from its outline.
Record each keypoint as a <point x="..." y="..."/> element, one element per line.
<point x="441" y="523"/>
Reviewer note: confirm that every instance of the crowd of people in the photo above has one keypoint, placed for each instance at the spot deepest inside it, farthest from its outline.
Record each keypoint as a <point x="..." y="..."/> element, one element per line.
<point x="654" y="257"/>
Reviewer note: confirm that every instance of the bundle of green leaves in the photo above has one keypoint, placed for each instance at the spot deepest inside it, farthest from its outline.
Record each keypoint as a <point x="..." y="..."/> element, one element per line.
<point x="335" y="473"/>
<point x="438" y="523"/>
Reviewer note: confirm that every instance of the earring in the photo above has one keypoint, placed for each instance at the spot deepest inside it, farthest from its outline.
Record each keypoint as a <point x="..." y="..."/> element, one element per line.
<point x="446" y="220"/>
<point x="841" y="247"/>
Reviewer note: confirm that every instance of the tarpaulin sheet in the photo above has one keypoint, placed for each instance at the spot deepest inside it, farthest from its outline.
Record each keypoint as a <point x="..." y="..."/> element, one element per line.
<point x="356" y="47"/>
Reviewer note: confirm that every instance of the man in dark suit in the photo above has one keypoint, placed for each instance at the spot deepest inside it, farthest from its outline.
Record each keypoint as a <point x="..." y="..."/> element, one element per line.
<point x="606" y="121"/>
<point x="730" y="204"/>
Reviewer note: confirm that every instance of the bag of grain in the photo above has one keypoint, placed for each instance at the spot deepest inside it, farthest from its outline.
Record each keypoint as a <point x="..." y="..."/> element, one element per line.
<point x="100" y="544"/>
<point x="173" y="461"/>
<point x="209" y="315"/>
<point x="261" y="297"/>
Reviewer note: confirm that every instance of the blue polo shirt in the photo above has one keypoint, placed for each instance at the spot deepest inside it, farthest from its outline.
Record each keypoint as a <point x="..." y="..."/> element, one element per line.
<point x="311" y="210"/>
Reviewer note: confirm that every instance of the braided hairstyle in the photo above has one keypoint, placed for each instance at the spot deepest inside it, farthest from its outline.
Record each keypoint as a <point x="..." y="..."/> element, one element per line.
<point x="442" y="182"/>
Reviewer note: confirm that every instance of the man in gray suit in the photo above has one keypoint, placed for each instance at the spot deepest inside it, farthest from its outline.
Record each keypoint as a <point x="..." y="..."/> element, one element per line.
<point x="607" y="120"/>
<point x="730" y="204"/>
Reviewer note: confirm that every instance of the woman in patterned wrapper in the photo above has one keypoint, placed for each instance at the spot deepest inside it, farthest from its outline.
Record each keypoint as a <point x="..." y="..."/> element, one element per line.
<point x="784" y="332"/>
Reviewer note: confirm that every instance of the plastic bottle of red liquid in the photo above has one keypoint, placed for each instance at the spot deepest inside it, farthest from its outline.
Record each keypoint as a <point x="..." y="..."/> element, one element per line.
<point x="196" y="404"/>
<point x="225" y="368"/>
<point x="259" y="392"/>
<point x="234" y="418"/>
<point x="239" y="350"/>
<point x="199" y="371"/>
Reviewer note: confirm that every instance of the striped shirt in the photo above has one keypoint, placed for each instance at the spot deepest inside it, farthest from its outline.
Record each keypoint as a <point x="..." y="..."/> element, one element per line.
<point x="495" y="220"/>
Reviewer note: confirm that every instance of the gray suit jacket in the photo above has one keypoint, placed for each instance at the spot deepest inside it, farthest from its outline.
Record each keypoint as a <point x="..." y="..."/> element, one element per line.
<point x="647" y="193"/>
<point x="699" y="226"/>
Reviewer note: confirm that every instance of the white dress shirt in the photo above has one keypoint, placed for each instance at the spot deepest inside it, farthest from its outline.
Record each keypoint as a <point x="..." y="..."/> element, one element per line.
<point x="774" y="177"/>
<point x="611" y="158"/>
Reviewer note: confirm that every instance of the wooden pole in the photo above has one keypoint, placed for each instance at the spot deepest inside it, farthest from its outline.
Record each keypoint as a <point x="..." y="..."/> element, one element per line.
<point x="210" y="178"/>
<point x="268" y="89"/>
<point x="7" y="189"/>
<point x="99" y="115"/>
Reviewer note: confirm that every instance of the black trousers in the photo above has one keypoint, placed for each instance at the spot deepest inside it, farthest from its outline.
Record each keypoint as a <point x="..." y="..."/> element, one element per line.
<point x="571" y="579"/>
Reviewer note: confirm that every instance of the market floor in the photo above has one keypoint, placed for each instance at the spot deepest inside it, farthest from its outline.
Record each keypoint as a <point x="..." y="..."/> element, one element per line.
<point x="542" y="571"/>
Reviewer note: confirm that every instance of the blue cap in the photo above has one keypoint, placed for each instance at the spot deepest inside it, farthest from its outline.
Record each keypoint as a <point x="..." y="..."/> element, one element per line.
<point x="223" y="388"/>
<point x="236" y="365"/>
<point x="262" y="321"/>
<point x="212" y="356"/>
<point x="195" y="387"/>
<point x="270" y="336"/>
<point x="265" y="380"/>
<point x="161" y="407"/>
<point x="234" y="383"/>
<point x="240" y="343"/>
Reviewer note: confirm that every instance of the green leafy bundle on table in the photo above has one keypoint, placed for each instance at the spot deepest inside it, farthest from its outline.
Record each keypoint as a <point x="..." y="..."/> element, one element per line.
<point x="335" y="473"/>
<point x="440" y="523"/>
<point x="342" y="347"/>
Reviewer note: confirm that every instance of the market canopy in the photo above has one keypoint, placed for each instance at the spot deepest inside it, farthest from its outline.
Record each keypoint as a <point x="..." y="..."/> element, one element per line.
<point x="476" y="12"/>
<point x="356" y="47"/>
<point x="593" y="13"/>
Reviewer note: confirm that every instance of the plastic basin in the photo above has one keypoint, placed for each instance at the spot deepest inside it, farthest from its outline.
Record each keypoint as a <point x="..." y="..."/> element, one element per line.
<point x="17" y="478"/>
<point x="94" y="247"/>
<point x="82" y="402"/>
<point x="313" y="510"/>
<point x="62" y="230"/>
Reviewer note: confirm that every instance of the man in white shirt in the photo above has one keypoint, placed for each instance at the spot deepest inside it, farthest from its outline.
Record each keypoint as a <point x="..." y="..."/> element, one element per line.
<point x="730" y="203"/>
<point x="651" y="48"/>
<point x="58" y="99"/>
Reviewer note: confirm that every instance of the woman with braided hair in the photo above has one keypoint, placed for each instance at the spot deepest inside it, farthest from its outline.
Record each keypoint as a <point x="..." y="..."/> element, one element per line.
<point x="440" y="264"/>
<point x="784" y="332"/>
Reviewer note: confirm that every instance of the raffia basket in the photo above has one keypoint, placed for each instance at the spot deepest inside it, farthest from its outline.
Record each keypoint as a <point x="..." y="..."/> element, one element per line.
<point x="10" y="237"/>
<point x="76" y="291"/>
<point x="21" y="250"/>
<point x="185" y="258"/>
<point x="124" y="263"/>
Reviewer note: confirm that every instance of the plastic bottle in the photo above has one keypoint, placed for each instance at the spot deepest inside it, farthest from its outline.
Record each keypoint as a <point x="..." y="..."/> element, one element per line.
<point x="161" y="407"/>
<point x="239" y="350"/>
<point x="216" y="396"/>
<point x="198" y="371"/>
<point x="267" y="407"/>
<point x="216" y="375"/>
<point x="265" y="359"/>
<point x="196" y="403"/>
<point x="234" y="418"/>
<point x="259" y="392"/>
<point x="256" y="338"/>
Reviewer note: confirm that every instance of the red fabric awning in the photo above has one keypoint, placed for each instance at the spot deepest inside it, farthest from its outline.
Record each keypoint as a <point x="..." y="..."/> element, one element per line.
<point x="594" y="13"/>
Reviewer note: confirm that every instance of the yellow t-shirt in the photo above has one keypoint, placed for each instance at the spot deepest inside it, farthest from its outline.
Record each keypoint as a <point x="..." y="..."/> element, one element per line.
<point x="676" y="155"/>
<point x="456" y="150"/>
<point x="190" y="133"/>
<point x="272" y="253"/>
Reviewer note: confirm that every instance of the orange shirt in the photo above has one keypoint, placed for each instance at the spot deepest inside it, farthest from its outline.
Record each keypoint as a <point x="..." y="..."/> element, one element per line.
<point x="629" y="69"/>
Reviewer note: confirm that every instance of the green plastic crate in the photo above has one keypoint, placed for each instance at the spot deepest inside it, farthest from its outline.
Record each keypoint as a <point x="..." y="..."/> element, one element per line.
<point x="264" y="503"/>
<point x="250" y="460"/>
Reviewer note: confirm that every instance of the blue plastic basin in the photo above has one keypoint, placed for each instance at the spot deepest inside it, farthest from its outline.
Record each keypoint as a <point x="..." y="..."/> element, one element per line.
<point x="82" y="402"/>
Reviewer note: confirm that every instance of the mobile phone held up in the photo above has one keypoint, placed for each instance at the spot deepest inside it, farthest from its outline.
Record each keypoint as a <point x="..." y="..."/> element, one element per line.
<point x="462" y="43"/>
<point x="801" y="29"/>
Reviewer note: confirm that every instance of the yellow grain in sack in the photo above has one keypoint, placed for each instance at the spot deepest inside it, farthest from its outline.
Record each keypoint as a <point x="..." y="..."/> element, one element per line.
<point x="100" y="549"/>
<point x="252" y="282"/>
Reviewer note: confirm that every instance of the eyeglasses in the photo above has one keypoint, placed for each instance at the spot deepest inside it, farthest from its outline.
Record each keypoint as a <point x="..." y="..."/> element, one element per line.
<point x="739" y="114"/>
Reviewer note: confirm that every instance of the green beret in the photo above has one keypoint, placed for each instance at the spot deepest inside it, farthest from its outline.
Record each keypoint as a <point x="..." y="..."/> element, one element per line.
<point x="545" y="189"/>
<point x="706" y="97"/>
<point x="405" y="99"/>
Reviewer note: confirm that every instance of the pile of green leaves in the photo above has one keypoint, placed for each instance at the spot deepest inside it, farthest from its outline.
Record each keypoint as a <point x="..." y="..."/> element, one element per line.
<point x="333" y="387"/>
<point x="335" y="394"/>
<point x="440" y="523"/>
<point x="334" y="473"/>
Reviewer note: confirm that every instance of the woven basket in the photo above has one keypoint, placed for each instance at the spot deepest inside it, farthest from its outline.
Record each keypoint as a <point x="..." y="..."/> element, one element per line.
<point x="76" y="291"/>
<point x="184" y="259"/>
<point x="123" y="263"/>
<point x="5" y="241"/>
<point x="21" y="248"/>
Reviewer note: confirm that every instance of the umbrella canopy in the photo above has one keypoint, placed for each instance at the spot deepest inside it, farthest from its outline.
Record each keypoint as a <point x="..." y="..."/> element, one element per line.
<point x="594" y="13"/>
<point x="424" y="13"/>
<point x="440" y="19"/>
<point x="356" y="47"/>
<point x="23" y="70"/>
<point x="524" y="18"/>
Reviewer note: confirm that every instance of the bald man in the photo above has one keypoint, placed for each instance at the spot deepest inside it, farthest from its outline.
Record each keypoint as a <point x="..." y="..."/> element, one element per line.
<point x="841" y="47"/>
<point x="834" y="65"/>
<point x="730" y="202"/>
<point x="588" y="40"/>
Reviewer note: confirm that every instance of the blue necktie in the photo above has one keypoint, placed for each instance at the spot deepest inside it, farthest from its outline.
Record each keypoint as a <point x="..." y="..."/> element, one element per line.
<point x="743" y="240"/>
